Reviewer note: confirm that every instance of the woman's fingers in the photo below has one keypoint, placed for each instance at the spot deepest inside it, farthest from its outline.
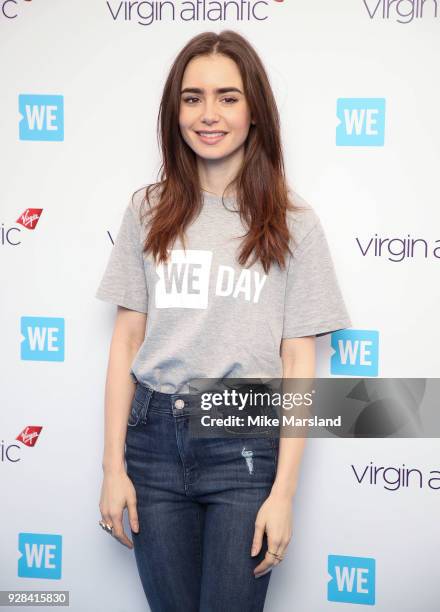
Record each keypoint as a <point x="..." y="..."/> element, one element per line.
<point x="117" y="493"/>
<point x="274" y="545"/>
<point x="258" y="539"/>
<point x="106" y="518"/>
<point x="133" y="515"/>
<point x="118" y="530"/>
<point x="266" y="565"/>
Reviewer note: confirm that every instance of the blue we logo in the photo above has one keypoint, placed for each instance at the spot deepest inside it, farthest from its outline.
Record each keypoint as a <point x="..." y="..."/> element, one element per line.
<point x="42" y="117"/>
<point x="356" y="352"/>
<point x="352" y="579"/>
<point x="40" y="555"/>
<point x="42" y="338"/>
<point x="361" y="122"/>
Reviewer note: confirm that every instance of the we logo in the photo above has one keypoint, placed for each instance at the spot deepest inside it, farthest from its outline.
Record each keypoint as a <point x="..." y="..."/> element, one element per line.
<point x="42" y="117"/>
<point x="352" y="579"/>
<point x="40" y="555"/>
<point x="361" y="122"/>
<point x="356" y="352"/>
<point x="42" y="338"/>
<point x="184" y="281"/>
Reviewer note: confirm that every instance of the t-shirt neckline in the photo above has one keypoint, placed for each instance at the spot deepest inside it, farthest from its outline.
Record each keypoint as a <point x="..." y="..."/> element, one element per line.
<point x="216" y="198"/>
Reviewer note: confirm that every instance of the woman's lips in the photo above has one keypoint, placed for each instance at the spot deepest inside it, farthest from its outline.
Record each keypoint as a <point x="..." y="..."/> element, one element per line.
<point x="211" y="139"/>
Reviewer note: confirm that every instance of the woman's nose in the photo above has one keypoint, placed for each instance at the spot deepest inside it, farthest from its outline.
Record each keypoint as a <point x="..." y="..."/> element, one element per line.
<point x="209" y="112"/>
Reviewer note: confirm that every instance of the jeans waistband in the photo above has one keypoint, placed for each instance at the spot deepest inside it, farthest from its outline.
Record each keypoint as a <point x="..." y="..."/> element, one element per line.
<point x="179" y="404"/>
<point x="173" y="403"/>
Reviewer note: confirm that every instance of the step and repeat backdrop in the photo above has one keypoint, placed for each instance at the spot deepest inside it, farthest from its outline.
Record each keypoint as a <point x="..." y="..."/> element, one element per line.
<point x="358" y="93"/>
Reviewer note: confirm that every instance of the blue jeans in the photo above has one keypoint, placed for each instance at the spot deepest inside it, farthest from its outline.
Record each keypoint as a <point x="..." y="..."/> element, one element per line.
<point x="197" y="500"/>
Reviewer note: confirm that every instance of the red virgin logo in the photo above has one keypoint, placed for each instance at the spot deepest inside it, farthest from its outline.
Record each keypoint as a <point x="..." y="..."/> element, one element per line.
<point x="29" y="435"/>
<point x="30" y="218"/>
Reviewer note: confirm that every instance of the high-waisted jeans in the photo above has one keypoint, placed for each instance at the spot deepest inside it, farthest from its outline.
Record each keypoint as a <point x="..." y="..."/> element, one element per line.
<point x="197" y="501"/>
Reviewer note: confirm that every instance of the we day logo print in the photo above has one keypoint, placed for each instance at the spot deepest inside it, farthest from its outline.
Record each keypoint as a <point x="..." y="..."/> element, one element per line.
<point x="184" y="281"/>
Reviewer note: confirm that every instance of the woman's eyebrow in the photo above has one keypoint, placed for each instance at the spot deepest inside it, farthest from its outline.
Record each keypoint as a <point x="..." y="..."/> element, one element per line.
<point x="219" y="90"/>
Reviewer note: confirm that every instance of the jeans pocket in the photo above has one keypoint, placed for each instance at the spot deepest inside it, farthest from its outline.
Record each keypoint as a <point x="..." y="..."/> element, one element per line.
<point x="135" y="413"/>
<point x="139" y="407"/>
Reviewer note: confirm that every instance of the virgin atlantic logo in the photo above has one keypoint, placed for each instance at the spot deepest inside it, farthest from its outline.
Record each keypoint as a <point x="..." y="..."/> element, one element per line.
<point x="146" y="13"/>
<point x="10" y="236"/>
<point x="398" y="248"/>
<point x="10" y="453"/>
<point x="402" y="11"/>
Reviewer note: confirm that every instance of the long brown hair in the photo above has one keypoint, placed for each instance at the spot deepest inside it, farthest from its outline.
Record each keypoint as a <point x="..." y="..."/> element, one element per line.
<point x="260" y="186"/>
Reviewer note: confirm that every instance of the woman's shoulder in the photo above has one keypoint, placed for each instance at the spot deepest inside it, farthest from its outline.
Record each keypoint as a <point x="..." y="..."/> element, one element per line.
<point x="302" y="218"/>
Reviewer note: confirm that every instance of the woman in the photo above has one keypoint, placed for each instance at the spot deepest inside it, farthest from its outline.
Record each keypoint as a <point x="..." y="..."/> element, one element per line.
<point x="210" y="518"/>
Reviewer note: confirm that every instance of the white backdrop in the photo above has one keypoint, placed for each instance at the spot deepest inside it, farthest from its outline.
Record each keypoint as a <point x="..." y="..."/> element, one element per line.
<point x="109" y="73"/>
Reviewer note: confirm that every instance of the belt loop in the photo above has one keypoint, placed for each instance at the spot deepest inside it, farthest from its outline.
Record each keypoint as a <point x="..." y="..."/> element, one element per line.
<point x="146" y="404"/>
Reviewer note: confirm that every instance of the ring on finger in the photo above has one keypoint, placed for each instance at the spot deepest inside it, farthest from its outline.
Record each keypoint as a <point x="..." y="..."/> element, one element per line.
<point x="279" y="557"/>
<point x="106" y="527"/>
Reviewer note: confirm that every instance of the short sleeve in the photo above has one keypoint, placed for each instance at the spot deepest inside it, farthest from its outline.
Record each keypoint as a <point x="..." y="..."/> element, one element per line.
<point x="314" y="305"/>
<point x="124" y="280"/>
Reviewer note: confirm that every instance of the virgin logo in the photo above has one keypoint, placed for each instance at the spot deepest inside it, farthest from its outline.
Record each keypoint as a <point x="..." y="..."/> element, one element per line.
<point x="29" y="435"/>
<point x="30" y="218"/>
<point x="402" y="11"/>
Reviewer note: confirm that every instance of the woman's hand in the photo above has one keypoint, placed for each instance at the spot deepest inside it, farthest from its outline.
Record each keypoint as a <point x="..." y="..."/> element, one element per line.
<point x="274" y="517"/>
<point x="117" y="492"/>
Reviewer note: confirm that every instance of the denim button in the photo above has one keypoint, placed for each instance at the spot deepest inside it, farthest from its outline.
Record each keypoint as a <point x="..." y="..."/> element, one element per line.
<point x="179" y="403"/>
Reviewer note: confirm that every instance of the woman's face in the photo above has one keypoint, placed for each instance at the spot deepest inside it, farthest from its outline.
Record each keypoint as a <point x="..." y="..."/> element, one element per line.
<point x="212" y="101"/>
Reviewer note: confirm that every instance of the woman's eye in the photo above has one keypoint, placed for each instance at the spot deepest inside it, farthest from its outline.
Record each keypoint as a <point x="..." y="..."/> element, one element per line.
<point x="227" y="100"/>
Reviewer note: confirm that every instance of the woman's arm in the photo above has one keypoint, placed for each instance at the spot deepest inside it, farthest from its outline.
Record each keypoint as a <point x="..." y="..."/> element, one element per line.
<point x="128" y="335"/>
<point x="117" y="490"/>
<point x="298" y="359"/>
<point x="275" y="515"/>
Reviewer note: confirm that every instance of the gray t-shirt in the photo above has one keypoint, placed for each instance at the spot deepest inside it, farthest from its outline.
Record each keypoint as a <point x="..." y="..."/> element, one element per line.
<point x="207" y="317"/>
